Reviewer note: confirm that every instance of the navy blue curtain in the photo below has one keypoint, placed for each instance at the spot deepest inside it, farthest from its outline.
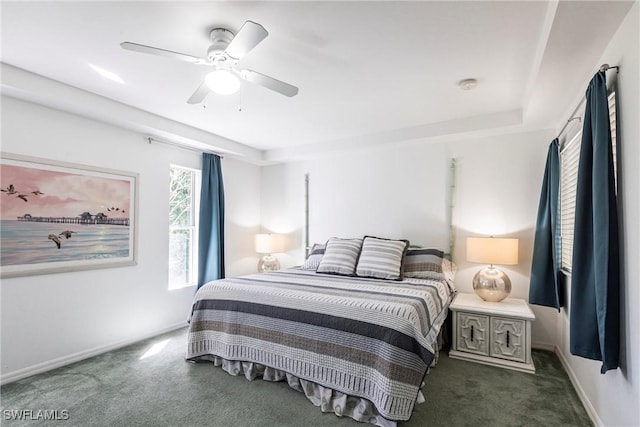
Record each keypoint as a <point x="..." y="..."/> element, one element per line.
<point x="595" y="278"/>
<point x="545" y="287"/>
<point x="211" y="231"/>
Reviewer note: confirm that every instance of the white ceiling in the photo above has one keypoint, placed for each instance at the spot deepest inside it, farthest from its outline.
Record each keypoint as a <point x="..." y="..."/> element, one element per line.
<point x="368" y="72"/>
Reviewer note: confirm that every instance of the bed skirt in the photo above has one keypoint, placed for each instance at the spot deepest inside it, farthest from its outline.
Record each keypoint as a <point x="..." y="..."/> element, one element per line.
<point x="327" y="399"/>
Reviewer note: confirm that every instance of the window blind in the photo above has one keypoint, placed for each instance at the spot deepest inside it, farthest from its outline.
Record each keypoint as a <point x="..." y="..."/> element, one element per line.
<point x="612" y="121"/>
<point x="569" y="160"/>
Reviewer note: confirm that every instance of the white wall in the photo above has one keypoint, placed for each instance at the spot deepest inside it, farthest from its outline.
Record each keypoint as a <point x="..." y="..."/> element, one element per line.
<point x="52" y="319"/>
<point x="242" y="215"/>
<point x="380" y="191"/>
<point x="613" y="399"/>
<point x="403" y="191"/>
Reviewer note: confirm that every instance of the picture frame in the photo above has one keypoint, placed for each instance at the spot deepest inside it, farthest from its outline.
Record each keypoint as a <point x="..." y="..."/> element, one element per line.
<point x="58" y="217"/>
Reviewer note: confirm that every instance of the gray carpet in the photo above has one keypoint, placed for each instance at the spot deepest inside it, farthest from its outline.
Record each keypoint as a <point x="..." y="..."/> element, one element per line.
<point x="120" y="389"/>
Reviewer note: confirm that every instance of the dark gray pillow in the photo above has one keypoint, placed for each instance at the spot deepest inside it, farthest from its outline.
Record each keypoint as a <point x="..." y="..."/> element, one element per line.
<point x="429" y="264"/>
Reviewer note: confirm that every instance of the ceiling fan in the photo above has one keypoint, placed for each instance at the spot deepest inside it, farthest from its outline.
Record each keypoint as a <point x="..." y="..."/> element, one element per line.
<point x="224" y="53"/>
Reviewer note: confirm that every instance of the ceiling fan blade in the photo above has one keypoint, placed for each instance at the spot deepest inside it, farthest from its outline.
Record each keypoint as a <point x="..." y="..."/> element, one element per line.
<point x="247" y="38"/>
<point x="269" y="82"/>
<point x="161" y="52"/>
<point x="199" y="95"/>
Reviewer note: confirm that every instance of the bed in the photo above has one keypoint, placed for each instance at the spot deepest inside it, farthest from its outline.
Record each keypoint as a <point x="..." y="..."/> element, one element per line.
<point x="356" y="345"/>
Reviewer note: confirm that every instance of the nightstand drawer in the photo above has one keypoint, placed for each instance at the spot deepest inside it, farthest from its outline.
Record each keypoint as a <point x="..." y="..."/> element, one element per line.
<point x="508" y="339"/>
<point x="473" y="333"/>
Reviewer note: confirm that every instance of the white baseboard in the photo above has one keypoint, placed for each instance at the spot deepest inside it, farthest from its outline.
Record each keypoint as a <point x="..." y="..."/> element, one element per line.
<point x="543" y="346"/>
<point x="76" y="357"/>
<point x="591" y="411"/>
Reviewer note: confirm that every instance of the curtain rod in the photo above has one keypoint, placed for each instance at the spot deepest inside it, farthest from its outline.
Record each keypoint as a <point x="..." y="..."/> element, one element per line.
<point x="151" y="139"/>
<point x="607" y="67"/>
<point x="578" y="118"/>
<point x="603" y="68"/>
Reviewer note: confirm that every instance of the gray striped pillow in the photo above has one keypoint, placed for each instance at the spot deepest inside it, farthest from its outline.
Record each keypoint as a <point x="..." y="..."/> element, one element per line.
<point x="340" y="256"/>
<point x="381" y="258"/>
<point x="429" y="264"/>
<point x="315" y="256"/>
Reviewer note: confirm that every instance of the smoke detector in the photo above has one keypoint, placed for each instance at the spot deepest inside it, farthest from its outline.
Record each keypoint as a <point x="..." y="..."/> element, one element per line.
<point x="468" y="84"/>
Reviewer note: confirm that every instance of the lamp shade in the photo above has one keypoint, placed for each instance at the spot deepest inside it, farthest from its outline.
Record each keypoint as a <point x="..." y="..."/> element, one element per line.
<point x="490" y="250"/>
<point x="269" y="243"/>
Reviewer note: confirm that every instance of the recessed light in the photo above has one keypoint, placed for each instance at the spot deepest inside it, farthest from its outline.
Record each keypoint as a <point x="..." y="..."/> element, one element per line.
<point x="468" y="84"/>
<point x="107" y="74"/>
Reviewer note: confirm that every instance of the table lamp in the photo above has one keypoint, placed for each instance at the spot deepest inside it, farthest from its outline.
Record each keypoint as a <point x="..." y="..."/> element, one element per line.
<point x="268" y="244"/>
<point x="490" y="283"/>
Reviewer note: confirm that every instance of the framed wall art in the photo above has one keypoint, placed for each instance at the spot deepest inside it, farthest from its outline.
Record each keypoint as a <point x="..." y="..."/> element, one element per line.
<point x="59" y="217"/>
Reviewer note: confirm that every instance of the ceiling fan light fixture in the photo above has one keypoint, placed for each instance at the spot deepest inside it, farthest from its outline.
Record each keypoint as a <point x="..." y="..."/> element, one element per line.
<point x="222" y="82"/>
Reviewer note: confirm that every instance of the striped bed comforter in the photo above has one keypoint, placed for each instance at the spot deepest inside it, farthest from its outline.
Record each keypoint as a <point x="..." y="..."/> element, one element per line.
<point x="369" y="338"/>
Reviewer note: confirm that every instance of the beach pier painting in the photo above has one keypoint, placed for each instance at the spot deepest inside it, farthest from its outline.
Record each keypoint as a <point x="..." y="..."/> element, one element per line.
<point x="60" y="217"/>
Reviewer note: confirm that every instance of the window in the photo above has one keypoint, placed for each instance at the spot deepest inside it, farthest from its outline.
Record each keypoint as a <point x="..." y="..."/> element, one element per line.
<point x="569" y="160"/>
<point x="183" y="236"/>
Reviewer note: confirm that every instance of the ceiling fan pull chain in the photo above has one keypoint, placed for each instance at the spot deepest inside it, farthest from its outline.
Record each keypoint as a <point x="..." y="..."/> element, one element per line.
<point x="240" y="102"/>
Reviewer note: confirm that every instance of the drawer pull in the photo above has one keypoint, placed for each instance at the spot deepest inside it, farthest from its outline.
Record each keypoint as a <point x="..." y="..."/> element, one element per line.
<point x="471" y="333"/>
<point x="508" y="339"/>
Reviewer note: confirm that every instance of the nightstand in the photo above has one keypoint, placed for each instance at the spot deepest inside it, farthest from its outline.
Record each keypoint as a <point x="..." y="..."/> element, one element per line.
<point x="492" y="333"/>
